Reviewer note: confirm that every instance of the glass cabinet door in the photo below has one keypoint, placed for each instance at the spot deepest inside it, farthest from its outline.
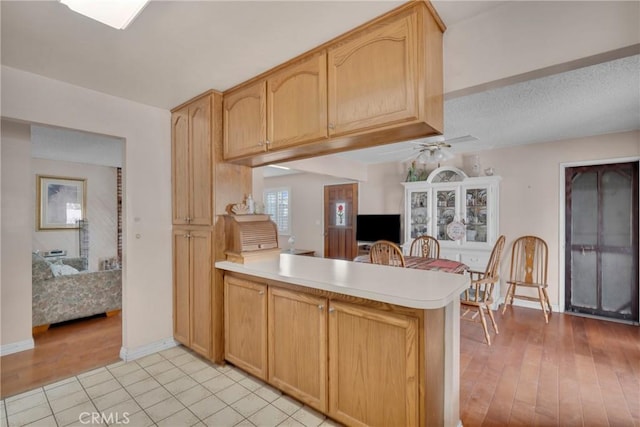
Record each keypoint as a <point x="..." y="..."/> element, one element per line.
<point x="445" y="211"/>
<point x="477" y="219"/>
<point x="419" y="214"/>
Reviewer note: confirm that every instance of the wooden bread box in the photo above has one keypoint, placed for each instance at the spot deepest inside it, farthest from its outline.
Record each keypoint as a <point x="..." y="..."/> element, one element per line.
<point x="250" y="237"/>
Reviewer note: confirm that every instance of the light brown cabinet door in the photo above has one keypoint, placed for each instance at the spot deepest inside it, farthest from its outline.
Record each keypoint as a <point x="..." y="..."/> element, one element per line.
<point x="201" y="170"/>
<point x="192" y="167"/>
<point x="245" y="325"/>
<point x="180" y="165"/>
<point x="181" y="287"/>
<point x="200" y="300"/>
<point x="373" y="366"/>
<point x="373" y="78"/>
<point x="245" y="121"/>
<point x="298" y="346"/>
<point x="297" y="103"/>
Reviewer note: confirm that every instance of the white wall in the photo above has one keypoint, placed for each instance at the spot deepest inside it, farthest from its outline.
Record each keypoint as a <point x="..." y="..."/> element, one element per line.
<point x="147" y="290"/>
<point x="16" y="228"/>
<point x="522" y="36"/>
<point x="101" y="205"/>
<point x="307" y="201"/>
<point x="530" y="189"/>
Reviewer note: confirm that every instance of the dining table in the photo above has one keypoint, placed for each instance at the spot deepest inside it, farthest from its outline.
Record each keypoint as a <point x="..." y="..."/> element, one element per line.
<point x="422" y="263"/>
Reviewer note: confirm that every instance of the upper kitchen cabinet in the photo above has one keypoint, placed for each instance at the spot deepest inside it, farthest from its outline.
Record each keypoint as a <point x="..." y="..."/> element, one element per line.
<point x="377" y="84"/>
<point x="192" y="163"/>
<point x="373" y="78"/>
<point x="297" y="103"/>
<point x="288" y="108"/>
<point x="245" y="121"/>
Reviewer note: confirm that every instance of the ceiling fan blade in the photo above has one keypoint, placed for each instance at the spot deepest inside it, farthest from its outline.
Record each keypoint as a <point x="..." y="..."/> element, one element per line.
<point x="459" y="139"/>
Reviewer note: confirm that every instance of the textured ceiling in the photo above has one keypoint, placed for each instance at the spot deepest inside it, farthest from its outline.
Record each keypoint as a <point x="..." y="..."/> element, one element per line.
<point x="593" y="100"/>
<point x="175" y="50"/>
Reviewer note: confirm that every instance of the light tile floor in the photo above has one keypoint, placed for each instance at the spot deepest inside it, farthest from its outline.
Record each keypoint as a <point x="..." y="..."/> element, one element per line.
<point x="172" y="388"/>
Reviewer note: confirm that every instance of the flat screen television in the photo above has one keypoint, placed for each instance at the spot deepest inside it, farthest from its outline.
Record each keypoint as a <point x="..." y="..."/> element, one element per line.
<point x="370" y="228"/>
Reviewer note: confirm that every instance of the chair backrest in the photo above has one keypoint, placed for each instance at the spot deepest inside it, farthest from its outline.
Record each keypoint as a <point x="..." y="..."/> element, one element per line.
<point x="426" y="247"/>
<point x="481" y="290"/>
<point x="494" y="260"/>
<point x="386" y="253"/>
<point x="529" y="259"/>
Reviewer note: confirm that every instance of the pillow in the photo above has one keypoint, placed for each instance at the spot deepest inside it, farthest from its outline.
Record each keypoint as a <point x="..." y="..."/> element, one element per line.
<point x="60" y="269"/>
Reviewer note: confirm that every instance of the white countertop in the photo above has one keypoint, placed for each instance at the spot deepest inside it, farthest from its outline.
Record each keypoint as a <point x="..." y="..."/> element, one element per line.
<point x="406" y="287"/>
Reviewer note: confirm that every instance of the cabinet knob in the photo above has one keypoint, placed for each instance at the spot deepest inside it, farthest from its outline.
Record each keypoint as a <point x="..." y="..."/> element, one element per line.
<point x="331" y="126"/>
<point x="267" y="142"/>
<point x="320" y="307"/>
<point x="260" y="292"/>
<point x="331" y="309"/>
<point x="187" y="236"/>
<point x="260" y="143"/>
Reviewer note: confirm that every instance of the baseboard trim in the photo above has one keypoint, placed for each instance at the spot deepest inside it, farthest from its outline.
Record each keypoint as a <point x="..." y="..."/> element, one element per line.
<point x="529" y="304"/>
<point x="16" y="347"/>
<point x="129" y="354"/>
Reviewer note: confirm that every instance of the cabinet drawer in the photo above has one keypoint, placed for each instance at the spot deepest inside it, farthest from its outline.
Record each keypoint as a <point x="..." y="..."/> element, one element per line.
<point x="477" y="261"/>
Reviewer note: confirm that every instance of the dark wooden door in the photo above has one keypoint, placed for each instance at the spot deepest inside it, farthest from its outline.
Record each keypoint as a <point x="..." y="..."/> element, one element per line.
<point x="340" y="210"/>
<point x="601" y="251"/>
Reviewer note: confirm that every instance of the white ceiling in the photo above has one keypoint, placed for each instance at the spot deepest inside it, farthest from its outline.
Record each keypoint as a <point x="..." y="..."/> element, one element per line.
<point x="175" y="50"/>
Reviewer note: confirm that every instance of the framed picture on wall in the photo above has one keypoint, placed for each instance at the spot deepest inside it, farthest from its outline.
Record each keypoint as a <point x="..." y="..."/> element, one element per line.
<point x="61" y="202"/>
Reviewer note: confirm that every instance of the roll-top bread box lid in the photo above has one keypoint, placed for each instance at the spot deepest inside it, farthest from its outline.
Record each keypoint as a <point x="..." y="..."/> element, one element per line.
<point x="250" y="237"/>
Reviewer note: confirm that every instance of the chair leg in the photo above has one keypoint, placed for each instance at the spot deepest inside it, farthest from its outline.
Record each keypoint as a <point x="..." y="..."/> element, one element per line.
<point x="546" y="296"/>
<point x="484" y="326"/>
<point x="543" y="304"/>
<point x="493" y="320"/>
<point x="510" y="292"/>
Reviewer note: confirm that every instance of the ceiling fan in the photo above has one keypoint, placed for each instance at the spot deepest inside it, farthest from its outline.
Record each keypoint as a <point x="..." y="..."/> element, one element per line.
<point x="436" y="151"/>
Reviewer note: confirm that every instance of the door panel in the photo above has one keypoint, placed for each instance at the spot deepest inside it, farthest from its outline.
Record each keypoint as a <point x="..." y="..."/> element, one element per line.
<point x="181" y="278"/>
<point x="201" y="292"/>
<point x="298" y="346"/>
<point x="340" y="238"/>
<point x="602" y="240"/>
<point x="245" y="121"/>
<point x="245" y="325"/>
<point x="201" y="171"/>
<point x="180" y="165"/>
<point x="297" y="100"/>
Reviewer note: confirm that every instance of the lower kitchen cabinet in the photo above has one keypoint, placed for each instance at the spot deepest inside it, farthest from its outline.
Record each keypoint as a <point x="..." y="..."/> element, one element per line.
<point x="353" y="361"/>
<point x="245" y="320"/>
<point x="297" y="345"/>
<point x="192" y="258"/>
<point x="373" y="366"/>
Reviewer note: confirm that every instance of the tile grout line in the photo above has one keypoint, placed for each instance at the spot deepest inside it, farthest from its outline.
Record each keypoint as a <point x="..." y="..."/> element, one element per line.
<point x="53" y="414"/>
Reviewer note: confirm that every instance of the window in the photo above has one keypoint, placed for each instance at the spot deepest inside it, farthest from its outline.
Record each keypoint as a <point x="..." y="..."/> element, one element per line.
<point x="276" y="204"/>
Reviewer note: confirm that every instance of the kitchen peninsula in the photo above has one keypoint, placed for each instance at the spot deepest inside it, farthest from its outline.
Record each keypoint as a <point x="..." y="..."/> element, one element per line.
<point x="365" y="344"/>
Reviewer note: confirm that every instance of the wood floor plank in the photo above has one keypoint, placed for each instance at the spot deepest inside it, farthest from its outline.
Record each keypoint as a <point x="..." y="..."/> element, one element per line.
<point x="574" y="371"/>
<point x="61" y="352"/>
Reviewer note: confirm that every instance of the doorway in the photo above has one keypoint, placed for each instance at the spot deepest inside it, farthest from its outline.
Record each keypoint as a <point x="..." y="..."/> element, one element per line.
<point x="601" y="240"/>
<point x="340" y="211"/>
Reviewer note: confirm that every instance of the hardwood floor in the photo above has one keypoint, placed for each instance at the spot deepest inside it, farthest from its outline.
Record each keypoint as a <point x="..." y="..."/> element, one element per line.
<point x="61" y="352"/>
<point x="575" y="371"/>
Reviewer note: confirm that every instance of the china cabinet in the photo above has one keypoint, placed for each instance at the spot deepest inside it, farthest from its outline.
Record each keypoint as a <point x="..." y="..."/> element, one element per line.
<point x="460" y="211"/>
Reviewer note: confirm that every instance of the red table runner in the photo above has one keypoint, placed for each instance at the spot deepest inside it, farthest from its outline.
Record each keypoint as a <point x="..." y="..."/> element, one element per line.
<point x="435" y="264"/>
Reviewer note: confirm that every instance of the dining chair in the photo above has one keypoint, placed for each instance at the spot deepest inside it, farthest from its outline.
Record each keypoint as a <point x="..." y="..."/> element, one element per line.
<point x="425" y="246"/>
<point x="479" y="295"/>
<point x="386" y="253"/>
<point x="529" y="259"/>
